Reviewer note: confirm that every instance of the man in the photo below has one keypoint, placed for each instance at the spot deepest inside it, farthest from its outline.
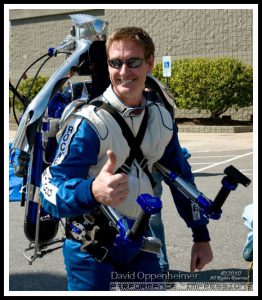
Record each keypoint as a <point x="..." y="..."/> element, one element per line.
<point x="94" y="166"/>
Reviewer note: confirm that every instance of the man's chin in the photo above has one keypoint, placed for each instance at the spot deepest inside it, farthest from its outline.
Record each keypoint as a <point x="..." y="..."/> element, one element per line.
<point x="124" y="92"/>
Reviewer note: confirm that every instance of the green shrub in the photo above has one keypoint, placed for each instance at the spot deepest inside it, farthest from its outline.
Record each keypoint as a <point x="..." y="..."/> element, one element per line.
<point x="210" y="84"/>
<point x="24" y="89"/>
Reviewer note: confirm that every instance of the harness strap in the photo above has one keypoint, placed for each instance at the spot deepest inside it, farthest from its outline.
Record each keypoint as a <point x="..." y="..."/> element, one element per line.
<point x="134" y="142"/>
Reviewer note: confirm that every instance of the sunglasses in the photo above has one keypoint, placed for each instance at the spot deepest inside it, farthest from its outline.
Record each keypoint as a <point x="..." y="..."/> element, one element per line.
<point x="133" y="62"/>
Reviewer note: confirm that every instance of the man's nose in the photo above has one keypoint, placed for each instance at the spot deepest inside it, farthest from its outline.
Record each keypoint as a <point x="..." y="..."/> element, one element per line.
<point x="124" y="68"/>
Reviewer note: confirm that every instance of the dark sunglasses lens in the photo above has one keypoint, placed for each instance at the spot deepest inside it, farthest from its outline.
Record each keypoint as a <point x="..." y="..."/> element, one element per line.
<point x="131" y="63"/>
<point x="115" y="63"/>
<point x="134" y="62"/>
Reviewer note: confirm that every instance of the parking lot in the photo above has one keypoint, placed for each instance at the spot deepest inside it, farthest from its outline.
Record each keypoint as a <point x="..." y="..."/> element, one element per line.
<point x="210" y="155"/>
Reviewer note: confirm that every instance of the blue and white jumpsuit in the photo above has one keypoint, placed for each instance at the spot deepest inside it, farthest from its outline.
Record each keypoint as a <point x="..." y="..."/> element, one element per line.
<point x="66" y="184"/>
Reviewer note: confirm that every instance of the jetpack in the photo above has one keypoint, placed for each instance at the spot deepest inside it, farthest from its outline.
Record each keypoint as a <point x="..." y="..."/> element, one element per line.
<point x="34" y="145"/>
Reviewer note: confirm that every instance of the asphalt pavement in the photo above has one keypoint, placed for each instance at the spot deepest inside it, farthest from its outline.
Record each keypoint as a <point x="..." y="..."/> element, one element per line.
<point x="211" y="153"/>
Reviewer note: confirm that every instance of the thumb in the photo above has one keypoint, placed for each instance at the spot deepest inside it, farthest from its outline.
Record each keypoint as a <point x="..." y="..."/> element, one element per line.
<point x="111" y="162"/>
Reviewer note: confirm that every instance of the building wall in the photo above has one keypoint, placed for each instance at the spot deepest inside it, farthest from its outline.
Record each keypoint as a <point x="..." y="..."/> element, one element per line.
<point x="193" y="33"/>
<point x="181" y="33"/>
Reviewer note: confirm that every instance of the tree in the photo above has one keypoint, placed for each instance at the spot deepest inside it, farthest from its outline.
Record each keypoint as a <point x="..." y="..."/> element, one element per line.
<point x="210" y="84"/>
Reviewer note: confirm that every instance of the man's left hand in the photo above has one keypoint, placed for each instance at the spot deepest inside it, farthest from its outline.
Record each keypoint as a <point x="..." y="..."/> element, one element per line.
<point x="201" y="254"/>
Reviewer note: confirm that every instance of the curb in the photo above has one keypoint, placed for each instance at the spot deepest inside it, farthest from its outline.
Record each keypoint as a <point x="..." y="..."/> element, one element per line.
<point x="190" y="129"/>
<point x="214" y="129"/>
<point x="185" y="128"/>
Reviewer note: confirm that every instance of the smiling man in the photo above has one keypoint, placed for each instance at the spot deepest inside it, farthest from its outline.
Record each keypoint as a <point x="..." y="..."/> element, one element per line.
<point x="98" y="165"/>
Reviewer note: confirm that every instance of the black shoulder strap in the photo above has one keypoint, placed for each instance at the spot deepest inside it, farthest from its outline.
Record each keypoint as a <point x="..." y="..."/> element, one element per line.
<point x="133" y="142"/>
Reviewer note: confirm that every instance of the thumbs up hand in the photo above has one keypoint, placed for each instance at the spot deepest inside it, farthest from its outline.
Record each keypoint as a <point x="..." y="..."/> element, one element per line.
<point x="109" y="188"/>
<point x="111" y="162"/>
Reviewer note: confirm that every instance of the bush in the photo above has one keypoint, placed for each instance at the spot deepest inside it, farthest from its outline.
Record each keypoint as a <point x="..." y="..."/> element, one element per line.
<point x="210" y="84"/>
<point x="24" y="89"/>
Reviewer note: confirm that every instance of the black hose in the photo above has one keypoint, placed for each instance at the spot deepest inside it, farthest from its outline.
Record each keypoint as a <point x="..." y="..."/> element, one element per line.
<point x="31" y="86"/>
<point x="17" y="85"/>
<point x="26" y="99"/>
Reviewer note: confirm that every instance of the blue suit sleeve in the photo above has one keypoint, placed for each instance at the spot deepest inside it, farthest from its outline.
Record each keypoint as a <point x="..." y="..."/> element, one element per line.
<point x="66" y="184"/>
<point x="173" y="159"/>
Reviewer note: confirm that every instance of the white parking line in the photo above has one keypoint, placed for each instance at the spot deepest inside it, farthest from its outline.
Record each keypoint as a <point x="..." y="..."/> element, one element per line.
<point x="200" y="151"/>
<point x="248" y="172"/>
<point x="202" y="163"/>
<point x="222" y="162"/>
<point x="212" y="156"/>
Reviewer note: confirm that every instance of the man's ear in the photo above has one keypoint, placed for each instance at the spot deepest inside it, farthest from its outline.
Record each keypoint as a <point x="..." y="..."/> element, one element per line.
<point x="150" y="63"/>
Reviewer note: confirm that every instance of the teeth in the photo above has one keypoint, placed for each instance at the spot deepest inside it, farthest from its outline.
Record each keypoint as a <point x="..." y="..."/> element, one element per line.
<point x="126" y="81"/>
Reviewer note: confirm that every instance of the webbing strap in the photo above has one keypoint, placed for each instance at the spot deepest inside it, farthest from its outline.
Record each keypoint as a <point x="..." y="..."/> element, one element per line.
<point x="133" y="142"/>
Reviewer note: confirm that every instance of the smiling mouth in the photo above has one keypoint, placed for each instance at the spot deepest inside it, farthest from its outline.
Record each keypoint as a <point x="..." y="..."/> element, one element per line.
<point x="125" y="81"/>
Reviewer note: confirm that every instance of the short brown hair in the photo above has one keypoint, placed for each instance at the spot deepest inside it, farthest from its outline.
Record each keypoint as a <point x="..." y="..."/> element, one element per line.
<point x="133" y="34"/>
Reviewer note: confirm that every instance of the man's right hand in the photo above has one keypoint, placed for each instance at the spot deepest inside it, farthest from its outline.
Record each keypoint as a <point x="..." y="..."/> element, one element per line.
<point x="109" y="188"/>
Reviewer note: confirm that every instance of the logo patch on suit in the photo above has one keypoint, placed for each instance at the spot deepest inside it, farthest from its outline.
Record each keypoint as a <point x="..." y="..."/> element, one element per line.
<point x="65" y="140"/>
